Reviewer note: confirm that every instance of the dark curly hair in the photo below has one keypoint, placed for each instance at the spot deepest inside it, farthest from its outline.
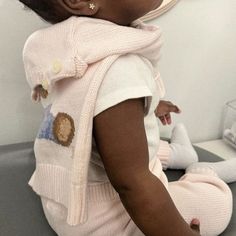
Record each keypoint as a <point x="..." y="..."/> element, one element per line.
<point x="47" y="10"/>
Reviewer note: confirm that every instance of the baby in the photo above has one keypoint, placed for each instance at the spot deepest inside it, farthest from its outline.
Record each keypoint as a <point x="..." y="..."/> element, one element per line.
<point x="182" y="153"/>
<point x="104" y="87"/>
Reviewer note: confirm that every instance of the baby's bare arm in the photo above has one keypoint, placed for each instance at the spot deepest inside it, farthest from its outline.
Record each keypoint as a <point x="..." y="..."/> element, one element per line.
<point x="121" y="140"/>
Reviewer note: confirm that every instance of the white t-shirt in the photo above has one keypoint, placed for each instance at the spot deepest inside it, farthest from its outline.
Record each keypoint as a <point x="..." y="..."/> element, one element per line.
<point x="129" y="77"/>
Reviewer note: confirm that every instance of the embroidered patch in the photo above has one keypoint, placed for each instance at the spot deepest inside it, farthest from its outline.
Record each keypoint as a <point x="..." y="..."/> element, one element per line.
<point x="63" y="129"/>
<point x="45" y="131"/>
<point x="59" y="130"/>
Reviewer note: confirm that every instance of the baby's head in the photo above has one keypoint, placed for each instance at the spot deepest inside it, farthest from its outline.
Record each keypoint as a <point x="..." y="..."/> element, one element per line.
<point x="121" y="12"/>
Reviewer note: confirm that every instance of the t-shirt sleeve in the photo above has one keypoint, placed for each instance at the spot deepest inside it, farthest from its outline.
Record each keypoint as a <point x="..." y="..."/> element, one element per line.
<point x="127" y="78"/>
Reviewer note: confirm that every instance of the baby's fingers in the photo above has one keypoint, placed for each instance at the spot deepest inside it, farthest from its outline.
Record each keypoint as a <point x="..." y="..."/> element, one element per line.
<point x="174" y="108"/>
<point x="170" y="107"/>
<point x="163" y="120"/>
<point x="168" y="118"/>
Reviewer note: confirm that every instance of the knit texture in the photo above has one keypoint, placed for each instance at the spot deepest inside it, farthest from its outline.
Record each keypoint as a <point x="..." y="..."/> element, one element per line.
<point x="164" y="153"/>
<point x="72" y="58"/>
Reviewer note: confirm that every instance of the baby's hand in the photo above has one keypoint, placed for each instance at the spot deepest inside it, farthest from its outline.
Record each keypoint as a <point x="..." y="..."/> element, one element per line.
<point x="163" y="111"/>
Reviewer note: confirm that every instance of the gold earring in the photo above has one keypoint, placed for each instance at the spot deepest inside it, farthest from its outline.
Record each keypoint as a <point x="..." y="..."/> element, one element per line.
<point x="92" y="6"/>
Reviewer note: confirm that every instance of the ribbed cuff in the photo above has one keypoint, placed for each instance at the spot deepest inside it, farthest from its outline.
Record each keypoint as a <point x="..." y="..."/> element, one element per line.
<point x="53" y="182"/>
<point x="78" y="204"/>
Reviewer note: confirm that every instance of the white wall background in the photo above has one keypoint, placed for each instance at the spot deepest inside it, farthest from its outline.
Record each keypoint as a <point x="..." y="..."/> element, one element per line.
<point x="198" y="63"/>
<point x="198" y="66"/>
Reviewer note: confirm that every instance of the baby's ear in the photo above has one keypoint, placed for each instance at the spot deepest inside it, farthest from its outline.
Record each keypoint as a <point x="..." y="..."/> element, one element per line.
<point x="80" y="7"/>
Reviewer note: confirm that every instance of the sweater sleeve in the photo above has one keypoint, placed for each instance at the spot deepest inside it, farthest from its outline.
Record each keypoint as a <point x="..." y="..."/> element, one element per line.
<point x="129" y="77"/>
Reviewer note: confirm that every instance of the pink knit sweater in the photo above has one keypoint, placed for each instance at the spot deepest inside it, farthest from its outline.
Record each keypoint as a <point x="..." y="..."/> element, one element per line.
<point x="72" y="58"/>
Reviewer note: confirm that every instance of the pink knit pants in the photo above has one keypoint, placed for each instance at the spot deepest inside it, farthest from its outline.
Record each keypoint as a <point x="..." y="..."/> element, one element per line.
<point x="203" y="196"/>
